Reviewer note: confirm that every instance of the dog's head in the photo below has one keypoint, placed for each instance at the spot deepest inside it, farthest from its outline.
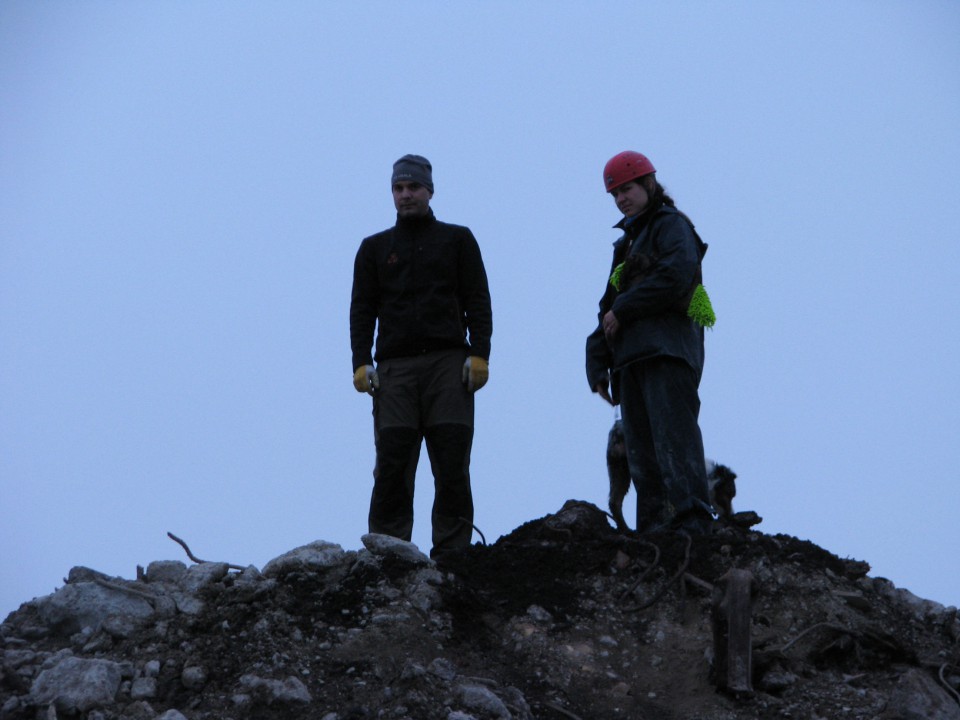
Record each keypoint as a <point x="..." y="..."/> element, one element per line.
<point x="722" y="488"/>
<point x="616" y="447"/>
<point x="718" y="474"/>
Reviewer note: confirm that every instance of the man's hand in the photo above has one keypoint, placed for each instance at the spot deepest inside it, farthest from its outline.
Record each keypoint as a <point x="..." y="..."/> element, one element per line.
<point x="476" y="371"/>
<point x="365" y="379"/>
<point x="602" y="390"/>
<point x="610" y="325"/>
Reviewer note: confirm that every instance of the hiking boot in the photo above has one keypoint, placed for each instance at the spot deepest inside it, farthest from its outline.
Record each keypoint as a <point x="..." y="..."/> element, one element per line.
<point x="696" y="522"/>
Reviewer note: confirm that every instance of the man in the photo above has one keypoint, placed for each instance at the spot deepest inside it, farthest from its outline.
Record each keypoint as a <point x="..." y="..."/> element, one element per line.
<point x="423" y="285"/>
<point x="650" y="345"/>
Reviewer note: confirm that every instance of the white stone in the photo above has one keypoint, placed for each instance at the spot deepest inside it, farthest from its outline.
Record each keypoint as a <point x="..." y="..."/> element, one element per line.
<point x="77" y="685"/>
<point x="383" y="545"/>
<point x="315" y="556"/>
<point x="86" y="605"/>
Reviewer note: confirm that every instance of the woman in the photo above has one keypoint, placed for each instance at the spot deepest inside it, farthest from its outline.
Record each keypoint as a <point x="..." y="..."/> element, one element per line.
<point x="646" y="353"/>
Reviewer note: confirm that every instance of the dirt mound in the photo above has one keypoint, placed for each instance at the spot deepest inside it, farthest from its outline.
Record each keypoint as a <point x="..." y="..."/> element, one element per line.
<point x="562" y="618"/>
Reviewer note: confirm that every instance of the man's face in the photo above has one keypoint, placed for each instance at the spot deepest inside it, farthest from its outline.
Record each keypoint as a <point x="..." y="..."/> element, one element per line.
<point x="631" y="198"/>
<point x="411" y="199"/>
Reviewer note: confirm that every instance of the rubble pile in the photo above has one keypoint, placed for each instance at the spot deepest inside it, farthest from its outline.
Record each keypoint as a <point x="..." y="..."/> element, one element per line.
<point x="563" y="618"/>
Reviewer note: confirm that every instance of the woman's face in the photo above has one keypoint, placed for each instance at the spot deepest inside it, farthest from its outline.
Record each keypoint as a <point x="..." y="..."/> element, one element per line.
<point x="631" y="198"/>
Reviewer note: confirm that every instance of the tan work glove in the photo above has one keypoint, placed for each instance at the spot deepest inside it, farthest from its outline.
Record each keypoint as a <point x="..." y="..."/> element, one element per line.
<point x="476" y="371"/>
<point x="365" y="379"/>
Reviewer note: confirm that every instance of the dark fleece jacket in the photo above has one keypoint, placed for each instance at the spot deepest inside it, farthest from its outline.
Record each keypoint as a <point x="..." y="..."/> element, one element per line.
<point x="423" y="285"/>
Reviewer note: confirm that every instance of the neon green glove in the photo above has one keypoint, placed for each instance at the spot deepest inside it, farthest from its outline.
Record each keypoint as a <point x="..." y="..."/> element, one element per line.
<point x="616" y="276"/>
<point x="476" y="371"/>
<point x="701" y="310"/>
<point x="366" y="379"/>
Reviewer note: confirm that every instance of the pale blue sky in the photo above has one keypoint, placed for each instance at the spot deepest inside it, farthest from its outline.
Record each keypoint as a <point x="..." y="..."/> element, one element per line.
<point x="183" y="187"/>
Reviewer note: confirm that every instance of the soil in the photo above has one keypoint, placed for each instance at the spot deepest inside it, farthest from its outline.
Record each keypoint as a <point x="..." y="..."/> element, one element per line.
<point x="563" y="618"/>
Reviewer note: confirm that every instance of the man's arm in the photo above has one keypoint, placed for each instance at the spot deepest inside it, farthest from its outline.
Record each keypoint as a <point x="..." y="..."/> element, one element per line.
<point x="363" y="306"/>
<point x="475" y="296"/>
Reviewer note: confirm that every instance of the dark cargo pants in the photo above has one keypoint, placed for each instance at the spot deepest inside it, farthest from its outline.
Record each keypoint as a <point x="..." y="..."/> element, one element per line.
<point x="423" y="398"/>
<point x="660" y="407"/>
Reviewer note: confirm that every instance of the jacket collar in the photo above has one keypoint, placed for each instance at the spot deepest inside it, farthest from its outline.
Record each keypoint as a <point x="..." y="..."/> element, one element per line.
<point x="633" y="226"/>
<point x="412" y="224"/>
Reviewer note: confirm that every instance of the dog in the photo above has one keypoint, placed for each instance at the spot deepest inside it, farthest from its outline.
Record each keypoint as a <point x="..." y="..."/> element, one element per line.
<point x="721" y="480"/>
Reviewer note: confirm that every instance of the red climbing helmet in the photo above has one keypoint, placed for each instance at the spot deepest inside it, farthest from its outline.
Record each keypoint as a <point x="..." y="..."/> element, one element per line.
<point x="624" y="167"/>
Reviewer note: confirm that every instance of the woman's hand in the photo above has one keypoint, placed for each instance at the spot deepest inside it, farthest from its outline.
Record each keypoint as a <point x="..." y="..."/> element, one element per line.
<point x="602" y="390"/>
<point x="610" y="326"/>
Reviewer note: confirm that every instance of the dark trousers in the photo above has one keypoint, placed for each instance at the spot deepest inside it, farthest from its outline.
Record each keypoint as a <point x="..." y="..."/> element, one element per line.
<point x="423" y="398"/>
<point x="660" y="406"/>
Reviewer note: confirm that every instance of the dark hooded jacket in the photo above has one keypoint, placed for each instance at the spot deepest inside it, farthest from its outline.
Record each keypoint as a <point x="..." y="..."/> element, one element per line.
<point x="423" y="286"/>
<point x="662" y="255"/>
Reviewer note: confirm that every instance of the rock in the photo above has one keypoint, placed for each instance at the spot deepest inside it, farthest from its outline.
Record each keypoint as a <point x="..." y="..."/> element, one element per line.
<point x="854" y="599"/>
<point x="412" y="670"/>
<point x="917" y="696"/>
<point x="317" y="555"/>
<point x="385" y="545"/>
<point x="481" y="699"/>
<point x="578" y="518"/>
<point x="77" y="685"/>
<point x="443" y="669"/>
<point x="121" y="626"/>
<point x="87" y="604"/>
<point x="144" y="688"/>
<point x="538" y="614"/>
<point x="188" y="604"/>
<point x="136" y="710"/>
<point x="423" y="594"/>
<point x="15" y="658"/>
<point x="777" y="681"/>
<point x="202" y="575"/>
<point x="250" y="584"/>
<point x="193" y="677"/>
<point x="382" y="632"/>
<point x="166" y="571"/>
<point x="81" y="574"/>
<point x="291" y="690"/>
<point x="517" y="703"/>
<point x="172" y="715"/>
<point x="250" y="577"/>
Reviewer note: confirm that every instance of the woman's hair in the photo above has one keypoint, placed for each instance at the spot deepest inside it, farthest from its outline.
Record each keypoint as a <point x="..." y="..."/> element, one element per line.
<point x="658" y="195"/>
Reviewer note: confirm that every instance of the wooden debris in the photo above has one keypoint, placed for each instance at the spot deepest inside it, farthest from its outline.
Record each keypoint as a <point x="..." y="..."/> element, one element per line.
<point x="733" y="649"/>
<point x="197" y="560"/>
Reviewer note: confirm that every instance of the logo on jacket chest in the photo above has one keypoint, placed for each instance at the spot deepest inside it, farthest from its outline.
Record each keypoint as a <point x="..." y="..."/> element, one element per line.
<point x="392" y="259"/>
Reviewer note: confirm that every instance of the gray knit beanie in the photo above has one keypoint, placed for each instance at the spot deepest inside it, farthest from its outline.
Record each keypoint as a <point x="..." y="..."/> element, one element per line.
<point x="413" y="168"/>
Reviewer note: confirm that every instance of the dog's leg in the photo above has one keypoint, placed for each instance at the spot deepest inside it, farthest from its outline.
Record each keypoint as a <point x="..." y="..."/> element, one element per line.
<point x="619" y="474"/>
<point x="618" y="490"/>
